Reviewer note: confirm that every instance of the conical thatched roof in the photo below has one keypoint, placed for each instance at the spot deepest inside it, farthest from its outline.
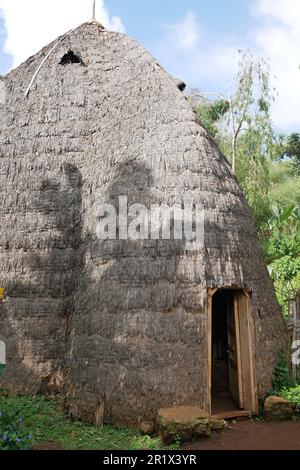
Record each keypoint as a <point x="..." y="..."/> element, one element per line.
<point x="123" y="321"/>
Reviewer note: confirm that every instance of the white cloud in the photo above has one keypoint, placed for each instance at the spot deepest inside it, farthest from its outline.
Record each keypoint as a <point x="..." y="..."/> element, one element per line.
<point x="286" y="12"/>
<point x="186" y="33"/>
<point x="186" y="51"/>
<point x="210" y="62"/>
<point x="278" y="38"/>
<point x="31" y="24"/>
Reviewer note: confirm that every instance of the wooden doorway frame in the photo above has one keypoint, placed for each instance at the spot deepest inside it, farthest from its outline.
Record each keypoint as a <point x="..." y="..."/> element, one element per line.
<point x="247" y="370"/>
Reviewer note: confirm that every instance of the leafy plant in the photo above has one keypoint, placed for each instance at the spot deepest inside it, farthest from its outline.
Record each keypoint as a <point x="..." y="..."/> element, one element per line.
<point x="12" y="434"/>
<point x="281" y="376"/>
<point x="281" y="245"/>
<point x="292" y="394"/>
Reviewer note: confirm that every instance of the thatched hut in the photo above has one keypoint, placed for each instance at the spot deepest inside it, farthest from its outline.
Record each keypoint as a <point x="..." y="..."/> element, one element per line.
<point x="123" y="326"/>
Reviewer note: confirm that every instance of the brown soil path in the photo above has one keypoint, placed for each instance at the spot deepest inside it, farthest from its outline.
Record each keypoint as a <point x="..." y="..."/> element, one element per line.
<point x="252" y="435"/>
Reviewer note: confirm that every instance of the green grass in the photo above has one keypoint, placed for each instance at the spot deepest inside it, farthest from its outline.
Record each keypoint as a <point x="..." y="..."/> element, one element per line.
<point x="46" y="421"/>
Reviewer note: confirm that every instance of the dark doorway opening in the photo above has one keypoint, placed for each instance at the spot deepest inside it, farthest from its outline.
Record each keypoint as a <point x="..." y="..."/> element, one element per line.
<point x="225" y="362"/>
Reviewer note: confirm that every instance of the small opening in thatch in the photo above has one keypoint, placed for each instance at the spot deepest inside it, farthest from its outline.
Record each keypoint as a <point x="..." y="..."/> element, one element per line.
<point x="71" y="58"/>
<point x="181" y="86"/>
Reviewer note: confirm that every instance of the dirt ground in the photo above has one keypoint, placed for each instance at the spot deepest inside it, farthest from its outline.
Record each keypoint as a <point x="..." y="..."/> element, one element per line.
<point x="240" y="435"/>
<point x="48" y="445"/>
<point x="252" y="435"/>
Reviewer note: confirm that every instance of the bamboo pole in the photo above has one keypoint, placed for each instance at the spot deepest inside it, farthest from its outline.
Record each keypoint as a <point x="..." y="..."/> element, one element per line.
<point x="94" y="10"/>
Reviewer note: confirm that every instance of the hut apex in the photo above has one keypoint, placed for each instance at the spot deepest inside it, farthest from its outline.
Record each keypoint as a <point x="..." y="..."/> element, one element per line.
<point x="122" y="327"/>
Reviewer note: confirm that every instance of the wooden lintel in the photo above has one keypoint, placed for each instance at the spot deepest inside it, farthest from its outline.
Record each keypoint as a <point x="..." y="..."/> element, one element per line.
<point x="211" y="292"/>
<point x="247" y="293"/>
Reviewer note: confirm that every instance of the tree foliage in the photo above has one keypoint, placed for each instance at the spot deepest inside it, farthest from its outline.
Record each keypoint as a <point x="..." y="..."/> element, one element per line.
<point x="210" y="113"/>
<point x="281" y="244"/>
<point x="267" y="166"/>
<point x="242" y="126"/>
<point x="292" y="151"/>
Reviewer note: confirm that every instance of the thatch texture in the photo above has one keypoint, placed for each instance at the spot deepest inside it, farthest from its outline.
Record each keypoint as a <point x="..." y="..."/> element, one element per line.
<point x="116" y="322"/>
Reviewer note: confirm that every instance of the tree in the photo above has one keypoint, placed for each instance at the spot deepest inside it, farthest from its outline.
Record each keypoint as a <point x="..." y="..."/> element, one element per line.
<point x="284" y="187"/>
<point x="210" y="113"/>
<point x="242" y="127"/>
<point x="292" y="151"/>
<point x="251" y="102"/>
<point x="281" y="245"/>
<point x="244" y="110"/>
<point x="267" y="166"/>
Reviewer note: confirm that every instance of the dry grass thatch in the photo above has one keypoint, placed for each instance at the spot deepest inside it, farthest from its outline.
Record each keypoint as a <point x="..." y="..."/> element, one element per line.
<point x="116" y="322"/>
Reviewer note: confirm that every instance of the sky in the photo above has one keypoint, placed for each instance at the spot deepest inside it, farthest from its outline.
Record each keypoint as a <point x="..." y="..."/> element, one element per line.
<point x="195" y="40"/>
